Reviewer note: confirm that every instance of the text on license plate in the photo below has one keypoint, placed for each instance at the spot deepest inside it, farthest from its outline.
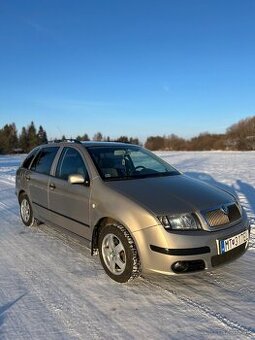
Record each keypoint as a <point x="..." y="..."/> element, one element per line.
<point x="233" y="242"/>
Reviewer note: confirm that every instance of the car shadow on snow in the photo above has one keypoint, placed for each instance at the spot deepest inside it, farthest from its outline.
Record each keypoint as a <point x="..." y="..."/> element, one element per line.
<point x="6" y="307"/>
<point x="249" y="193"/>
<point x="204" y="177"/>
<point x="244" y="191"/>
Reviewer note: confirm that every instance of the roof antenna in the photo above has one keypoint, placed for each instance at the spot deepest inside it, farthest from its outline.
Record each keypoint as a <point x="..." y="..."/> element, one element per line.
<point x="60" y="133"/>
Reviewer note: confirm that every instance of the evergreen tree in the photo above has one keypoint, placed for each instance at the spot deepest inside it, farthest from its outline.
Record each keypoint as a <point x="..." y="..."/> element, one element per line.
<point x="32" y="136"/>
<point x="85" y="137"/>
<point x="2" y="151"/>
<point x="42" y="136"/>
<point x="8" y="138"/>
<point x="134" y="141"/>
<point x="122" y="139"/>
<point x="13" y="138"/>
<point x="98" y="137"/>
<point x="23" y="140"/>
<point x="106" y="139"/>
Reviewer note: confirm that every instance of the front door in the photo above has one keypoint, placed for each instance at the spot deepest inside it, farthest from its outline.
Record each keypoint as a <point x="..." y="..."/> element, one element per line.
<point x="69" y="203"/>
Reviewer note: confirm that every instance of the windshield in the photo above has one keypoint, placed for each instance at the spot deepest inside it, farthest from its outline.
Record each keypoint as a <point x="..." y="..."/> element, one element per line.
<point x="119" y="163"/>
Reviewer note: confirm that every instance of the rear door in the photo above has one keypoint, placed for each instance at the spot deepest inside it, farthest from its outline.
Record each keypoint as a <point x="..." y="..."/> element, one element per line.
<point x="69" y="203"/>
<point x="37" y="178"/>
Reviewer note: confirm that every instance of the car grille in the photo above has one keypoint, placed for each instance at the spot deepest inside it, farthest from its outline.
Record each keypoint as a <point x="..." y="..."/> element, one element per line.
<point x="217" y="217"/>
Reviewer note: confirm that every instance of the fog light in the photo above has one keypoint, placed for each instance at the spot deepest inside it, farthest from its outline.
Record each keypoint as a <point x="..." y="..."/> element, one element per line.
<point x="180" y="266"/>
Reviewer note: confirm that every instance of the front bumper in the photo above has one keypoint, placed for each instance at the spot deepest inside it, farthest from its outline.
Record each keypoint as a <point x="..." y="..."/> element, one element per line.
<point x="159" y="250"/>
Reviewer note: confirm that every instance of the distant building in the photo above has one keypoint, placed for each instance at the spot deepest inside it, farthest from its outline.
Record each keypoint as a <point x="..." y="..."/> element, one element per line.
<point x="18" y="150"/>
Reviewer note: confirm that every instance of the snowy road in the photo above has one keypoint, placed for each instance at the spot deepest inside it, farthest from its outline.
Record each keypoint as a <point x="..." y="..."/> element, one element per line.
<point x="50" y="287"/>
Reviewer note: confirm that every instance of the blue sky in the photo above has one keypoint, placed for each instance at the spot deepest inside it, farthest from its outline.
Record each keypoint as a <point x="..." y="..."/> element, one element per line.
<point x="136" y="68"/>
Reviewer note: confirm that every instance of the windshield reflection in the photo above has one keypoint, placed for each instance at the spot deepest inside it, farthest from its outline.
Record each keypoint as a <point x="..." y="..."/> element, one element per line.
<point x="128" y="162"/>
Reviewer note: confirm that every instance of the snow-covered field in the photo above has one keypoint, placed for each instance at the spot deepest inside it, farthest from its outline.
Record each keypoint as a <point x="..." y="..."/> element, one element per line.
<point x="50" y="287"/>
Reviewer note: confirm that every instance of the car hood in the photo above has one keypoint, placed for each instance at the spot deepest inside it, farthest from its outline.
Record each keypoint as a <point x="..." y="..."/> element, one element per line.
<point x="171" y="194"/>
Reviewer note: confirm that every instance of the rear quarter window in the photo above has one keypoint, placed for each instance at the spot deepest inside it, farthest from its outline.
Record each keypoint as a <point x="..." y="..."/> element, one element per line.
<point x="43" y="161"/>
<point x="26" y="163"/>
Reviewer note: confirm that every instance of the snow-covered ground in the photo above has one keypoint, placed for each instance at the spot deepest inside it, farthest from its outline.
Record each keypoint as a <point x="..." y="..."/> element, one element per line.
<point x="50" y="287"/>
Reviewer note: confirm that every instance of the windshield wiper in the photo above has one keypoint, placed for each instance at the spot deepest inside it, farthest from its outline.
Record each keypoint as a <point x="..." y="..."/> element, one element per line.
<point x="137" y="176"/>
<point x="159" y="174"/>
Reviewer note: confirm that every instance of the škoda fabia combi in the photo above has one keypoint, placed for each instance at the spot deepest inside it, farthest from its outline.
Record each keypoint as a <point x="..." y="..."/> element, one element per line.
<point x="136" y="210"/>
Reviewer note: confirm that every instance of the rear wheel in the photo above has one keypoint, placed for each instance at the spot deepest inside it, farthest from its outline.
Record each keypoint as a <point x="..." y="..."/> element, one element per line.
<point x="26" y="212"/>
<point x="118" y="253"/>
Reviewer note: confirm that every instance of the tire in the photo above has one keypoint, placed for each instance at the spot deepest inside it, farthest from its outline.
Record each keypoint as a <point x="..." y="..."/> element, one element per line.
<point x="118" y="253"/>
<point x="26" y="212"/>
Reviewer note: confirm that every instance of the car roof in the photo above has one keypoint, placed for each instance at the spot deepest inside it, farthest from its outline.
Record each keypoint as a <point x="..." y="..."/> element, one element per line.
<point x="87" y="144"/>
<point x="93" y="143"/>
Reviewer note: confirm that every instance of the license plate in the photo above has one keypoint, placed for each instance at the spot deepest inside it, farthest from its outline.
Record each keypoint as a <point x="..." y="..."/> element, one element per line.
<point x="233" y="242"/>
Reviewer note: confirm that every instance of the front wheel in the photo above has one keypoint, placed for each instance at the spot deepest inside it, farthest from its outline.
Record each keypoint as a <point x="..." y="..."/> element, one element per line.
<point x="26" y="212"/>
<point x="118" y="253"/>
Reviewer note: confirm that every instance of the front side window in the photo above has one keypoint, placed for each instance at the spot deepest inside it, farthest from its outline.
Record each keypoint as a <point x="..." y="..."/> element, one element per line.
<point x="126" y="162"/>
<point x="70" y="163"/>
<point x="44" y="159"/>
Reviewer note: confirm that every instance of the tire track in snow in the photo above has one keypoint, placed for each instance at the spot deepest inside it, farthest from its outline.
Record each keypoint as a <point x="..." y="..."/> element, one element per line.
<point x="228" y="284"/>
<point x="6" y="209"/>
<point x="58" y="295"/>
<point x="210" y="313"/>
<point x="6" y="181"/>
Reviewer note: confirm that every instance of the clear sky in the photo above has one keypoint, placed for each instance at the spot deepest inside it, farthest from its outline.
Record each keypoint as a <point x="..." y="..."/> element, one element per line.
<point x="135" y="67"/>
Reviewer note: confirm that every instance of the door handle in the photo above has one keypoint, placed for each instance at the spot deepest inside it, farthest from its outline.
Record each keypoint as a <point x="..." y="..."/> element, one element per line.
<point x="52" y="186"/>
<point x="27" y="177"/>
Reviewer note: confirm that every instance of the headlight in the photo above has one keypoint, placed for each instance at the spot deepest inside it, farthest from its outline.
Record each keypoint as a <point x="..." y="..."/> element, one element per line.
<point x="180" y="222"/>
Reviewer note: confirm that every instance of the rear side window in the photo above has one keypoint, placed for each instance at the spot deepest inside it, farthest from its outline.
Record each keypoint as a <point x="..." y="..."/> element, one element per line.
<point x="43" y="161"/>
<point x="70" y="163"/>
<point x="29" y="158"/>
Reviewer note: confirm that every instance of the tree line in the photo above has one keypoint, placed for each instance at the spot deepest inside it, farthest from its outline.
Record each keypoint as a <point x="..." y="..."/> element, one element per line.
<point x="30" y="137"/>
<point x="239" y="136"/>
<point x="13" y="142"/>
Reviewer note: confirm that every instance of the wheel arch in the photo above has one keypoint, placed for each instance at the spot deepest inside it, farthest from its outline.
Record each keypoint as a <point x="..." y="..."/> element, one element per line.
<point x="21" y="192"/>
<point x="102" y="222"/>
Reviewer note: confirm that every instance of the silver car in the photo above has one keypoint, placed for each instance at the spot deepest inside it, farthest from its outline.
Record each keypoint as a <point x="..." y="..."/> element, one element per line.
<point x="136" y="210"/>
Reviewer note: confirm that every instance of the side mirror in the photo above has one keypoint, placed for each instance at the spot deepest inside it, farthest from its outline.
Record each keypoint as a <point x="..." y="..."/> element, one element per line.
<point x="76" y="179"/>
